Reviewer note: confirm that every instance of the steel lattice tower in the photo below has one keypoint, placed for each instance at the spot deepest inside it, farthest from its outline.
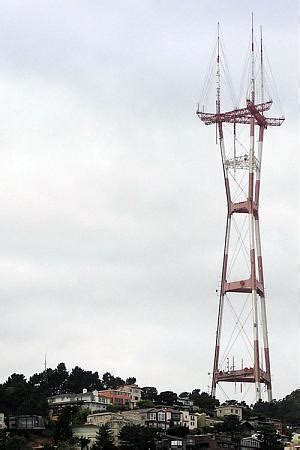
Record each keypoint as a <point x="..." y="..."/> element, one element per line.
<point x="251" y="286"/>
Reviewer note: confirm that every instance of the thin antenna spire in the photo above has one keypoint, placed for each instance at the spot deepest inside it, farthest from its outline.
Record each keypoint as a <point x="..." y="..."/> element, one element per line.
<point x="252" y="63"/>
<point x="261" y="67"/>
<point x="218" y="82"/>
<point x="218" y="105"/>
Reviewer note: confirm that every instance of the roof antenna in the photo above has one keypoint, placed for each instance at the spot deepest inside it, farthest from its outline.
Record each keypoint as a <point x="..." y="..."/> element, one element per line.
<point x="252" y="63"/>
<point x="261" y="67"/>
<point x="218" y="82"/>
<point x="218" y="104"/>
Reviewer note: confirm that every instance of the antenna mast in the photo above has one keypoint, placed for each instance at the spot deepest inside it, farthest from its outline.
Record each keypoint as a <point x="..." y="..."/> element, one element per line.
<point x="261" y="67"/>
<point x="252" y="63"/>
<point x="218" y="102"/>
<point x="242" y="204"/>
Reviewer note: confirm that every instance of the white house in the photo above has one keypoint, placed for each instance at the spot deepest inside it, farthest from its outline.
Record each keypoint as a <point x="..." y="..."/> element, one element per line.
<point x="89" y="400"/>
<point x="188" y="420"/>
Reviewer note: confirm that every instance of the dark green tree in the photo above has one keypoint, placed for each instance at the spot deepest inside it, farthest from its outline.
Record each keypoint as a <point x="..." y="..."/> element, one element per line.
<point x="136" y="437"/>
<point x="230" y="426"/>
<point x="63" y="426"/>
<point x="184" y="395"/>
<point x="167" y="398"/>
<point x="268" y="438"/>
<point x="145" y="404"/>
<point x="83" y="442"/>
<point x="149" y="393"/>
<point x="104" y="438"/>
<point x="80" y="379"/>
<point x="130" y="380"/>
<point x="204" y="401"/>
<point x="15" y="443"/>
<point x="109" y="381"/>
<point x="178" y="431"/>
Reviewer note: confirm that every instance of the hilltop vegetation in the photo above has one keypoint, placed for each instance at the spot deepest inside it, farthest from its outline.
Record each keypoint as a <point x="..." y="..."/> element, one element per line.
<point x="21" y="396"/>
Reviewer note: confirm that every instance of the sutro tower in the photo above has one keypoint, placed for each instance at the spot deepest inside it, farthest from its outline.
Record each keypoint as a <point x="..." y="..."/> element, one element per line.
<point x="242" y="175"/>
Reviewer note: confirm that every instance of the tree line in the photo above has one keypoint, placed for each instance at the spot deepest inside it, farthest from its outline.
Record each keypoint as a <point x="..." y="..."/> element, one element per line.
<point x="19" y="395"/>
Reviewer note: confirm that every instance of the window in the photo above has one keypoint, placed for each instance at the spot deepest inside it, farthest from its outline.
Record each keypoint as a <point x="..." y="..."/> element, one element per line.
<point x="161" y="416"/>
<point x="152" y="416"/>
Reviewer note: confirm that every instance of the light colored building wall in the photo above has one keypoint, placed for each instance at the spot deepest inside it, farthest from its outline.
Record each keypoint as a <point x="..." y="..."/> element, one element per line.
<point x="134" y="392"/>
<point x="136" y="416"/>
<point x="230" y="410"/>
<point x="188" y="420"/>
<point x="87" y="431"/>
<point x="116" y="422"/>
<point x="249" y="442"/>
<point x="2" y="423"/>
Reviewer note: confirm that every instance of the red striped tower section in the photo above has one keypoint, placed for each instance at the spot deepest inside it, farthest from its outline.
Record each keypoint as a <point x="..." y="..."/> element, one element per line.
<point x="253" y="116"/>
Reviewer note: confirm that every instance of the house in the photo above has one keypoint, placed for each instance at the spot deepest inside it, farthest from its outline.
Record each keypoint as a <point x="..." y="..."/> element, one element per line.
<point x="116" y="397"/>
<point x="2" y="423"/>
<point x="194" y="442"/>
<point x="294" y="444"/>
<point x="249" y="442"/>
<point x="26" y="422"/>
<point x="134" y="392"/>
<point x="185" y="402"/>
<point x="163" y="418"/>
<point x="87" y="399"/>
<point x="229" y="410"/>
<point x="205" y="421"/>
<point x="116" y="421"/>
<point x="188" y="419"/>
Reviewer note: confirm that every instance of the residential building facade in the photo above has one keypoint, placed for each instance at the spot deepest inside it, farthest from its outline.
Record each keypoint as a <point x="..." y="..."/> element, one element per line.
<point x="134" y="392"/>
<point x="229" y="410"/>
<point x="116" y="397"/>
<point x="188" y="419"/>
<point x="2" y="422"/>
<point x="26" y="422"/>
<point x="249" y="442"/>
<point x="89" y="400"/>
<point x="116" y="422"/>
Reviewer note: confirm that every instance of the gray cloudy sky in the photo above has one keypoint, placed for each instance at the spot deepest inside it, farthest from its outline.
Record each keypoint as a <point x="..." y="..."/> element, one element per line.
<point x="113" y="206"/>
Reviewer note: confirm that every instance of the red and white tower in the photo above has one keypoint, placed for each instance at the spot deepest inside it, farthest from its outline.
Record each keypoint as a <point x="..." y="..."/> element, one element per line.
<point x="243" y="289"/>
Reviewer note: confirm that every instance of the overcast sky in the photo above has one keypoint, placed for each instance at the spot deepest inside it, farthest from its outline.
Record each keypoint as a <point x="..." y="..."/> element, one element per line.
<point x="111" y="191"/>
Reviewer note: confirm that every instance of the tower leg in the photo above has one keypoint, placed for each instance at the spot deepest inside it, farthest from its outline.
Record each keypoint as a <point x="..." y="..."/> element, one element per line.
<point x="263" y="311"/>
<point x="221" y="307"/>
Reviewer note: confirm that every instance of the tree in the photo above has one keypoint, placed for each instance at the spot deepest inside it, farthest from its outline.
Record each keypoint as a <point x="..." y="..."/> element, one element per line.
<point x="80" y="416"/>
<point x="178" y="431"/>
<point x="104" y="438"/>
<point x="149" y="393"/>
<point x="83" y="442"/>
<point x="204" y="401"/>
<point x="111" y="382"/>
<point x="167" y="398"/>
<point x="184" y="395"/>
<point x="137" y="437"/>
<point x="80" y="379"/>
<point x="230" y="426"/>
<point x="268" y="438"/>
<point x="130" y="380"/>
<point x="145" y="404"/>
<point x="63" y="427"/>
<point x="15" y="443"/>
